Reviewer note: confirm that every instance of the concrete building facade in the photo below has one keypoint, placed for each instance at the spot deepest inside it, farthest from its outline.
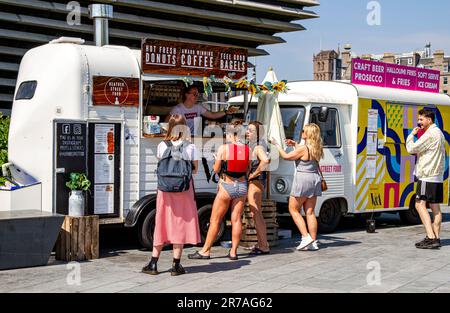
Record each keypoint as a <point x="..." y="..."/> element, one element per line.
<point x="249" y="24"/>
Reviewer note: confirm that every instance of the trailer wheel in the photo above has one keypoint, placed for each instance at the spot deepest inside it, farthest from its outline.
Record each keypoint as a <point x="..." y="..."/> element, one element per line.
<point x="204" y="215"/>
<point x="410" y="216"/>
<point x="329" y="216"/>
<point x="146" y="229"/>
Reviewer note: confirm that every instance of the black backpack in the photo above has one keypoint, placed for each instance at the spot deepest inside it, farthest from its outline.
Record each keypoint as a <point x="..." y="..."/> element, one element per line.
<point x="174" y="169"/>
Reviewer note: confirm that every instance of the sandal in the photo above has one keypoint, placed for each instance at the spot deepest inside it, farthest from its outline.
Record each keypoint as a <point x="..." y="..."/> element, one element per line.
<point x="198" y="256"/>
<point x="258" y="251"/>
<point x="232" y="258"/>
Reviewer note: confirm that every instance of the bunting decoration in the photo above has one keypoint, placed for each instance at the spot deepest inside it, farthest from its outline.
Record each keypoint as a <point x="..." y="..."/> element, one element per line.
<point x="243" y="83"/>
<point x="253" y="88"/>
<point x="207" y="88"/>
<point x="188" y="81"/>
<point x="227" y="81"/>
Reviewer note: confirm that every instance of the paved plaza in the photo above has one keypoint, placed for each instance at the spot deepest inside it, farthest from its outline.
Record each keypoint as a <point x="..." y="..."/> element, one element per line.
<point x="350" y="260"/>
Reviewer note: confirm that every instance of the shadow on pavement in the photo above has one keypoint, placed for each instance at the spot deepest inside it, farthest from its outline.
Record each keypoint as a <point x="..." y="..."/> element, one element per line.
<point x="217" y="267"/>
<point x="335" y="242"/>
<point x="116" y="240"/>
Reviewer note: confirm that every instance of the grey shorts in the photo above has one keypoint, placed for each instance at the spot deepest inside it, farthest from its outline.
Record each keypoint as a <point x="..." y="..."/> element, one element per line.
<point x="235" y="190"/>
<point x="306" y="185"/>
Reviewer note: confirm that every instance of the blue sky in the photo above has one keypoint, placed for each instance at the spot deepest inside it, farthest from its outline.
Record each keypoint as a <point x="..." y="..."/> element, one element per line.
<point x="406" y="25"/>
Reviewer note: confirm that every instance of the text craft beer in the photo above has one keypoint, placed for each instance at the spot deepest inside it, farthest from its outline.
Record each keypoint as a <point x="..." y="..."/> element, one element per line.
<point x="368" y="72"/>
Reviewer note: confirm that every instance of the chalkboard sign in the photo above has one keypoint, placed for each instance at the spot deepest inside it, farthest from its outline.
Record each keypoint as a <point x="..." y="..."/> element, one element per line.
<point x="70" y="156"/>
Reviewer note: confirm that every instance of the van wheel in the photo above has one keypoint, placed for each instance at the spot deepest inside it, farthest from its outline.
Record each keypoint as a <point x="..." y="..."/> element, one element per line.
<point x="204" y="215"/>
<point x="329" y="216"/>
<point x="410" y="216"/>
<point x="146" y="229"/>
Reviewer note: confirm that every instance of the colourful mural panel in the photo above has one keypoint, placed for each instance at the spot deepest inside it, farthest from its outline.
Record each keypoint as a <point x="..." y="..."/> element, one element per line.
<point x="389" y="181"/>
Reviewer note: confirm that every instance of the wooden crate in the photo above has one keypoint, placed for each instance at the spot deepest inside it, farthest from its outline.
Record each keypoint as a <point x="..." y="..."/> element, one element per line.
<point x="249" y="235"/>
<point x="78" y="239"/>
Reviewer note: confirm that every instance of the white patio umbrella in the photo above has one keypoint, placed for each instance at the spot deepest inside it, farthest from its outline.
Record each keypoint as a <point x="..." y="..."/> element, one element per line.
<point x="269" y="114"/>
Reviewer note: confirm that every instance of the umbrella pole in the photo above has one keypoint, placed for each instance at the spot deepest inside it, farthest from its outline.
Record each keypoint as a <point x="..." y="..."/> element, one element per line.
<point x="268" y="186"/>
<point x="246" y="105"/>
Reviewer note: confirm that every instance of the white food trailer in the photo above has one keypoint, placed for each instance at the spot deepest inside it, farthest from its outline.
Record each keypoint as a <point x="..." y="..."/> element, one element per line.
<point x="80" y="108"/>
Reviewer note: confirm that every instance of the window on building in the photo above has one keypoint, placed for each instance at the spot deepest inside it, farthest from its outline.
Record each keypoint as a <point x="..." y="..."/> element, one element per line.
<point x="410" y="61"/>
<point x="26" y="90"/>
<point x="329" y="129"/>
<point x="398" y="61"/>
<point x="446" y="91"/>
<point x="445" y="80"/>
<point x="445" y="68"/>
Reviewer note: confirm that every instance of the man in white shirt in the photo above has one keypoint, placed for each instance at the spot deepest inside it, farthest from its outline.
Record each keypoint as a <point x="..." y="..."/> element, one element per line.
<point x="191" y="110"/>
<point x="430" y="167"/>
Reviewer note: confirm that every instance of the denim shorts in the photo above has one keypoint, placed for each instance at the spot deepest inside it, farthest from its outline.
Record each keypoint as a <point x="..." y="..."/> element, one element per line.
<point x="236" y="189"/>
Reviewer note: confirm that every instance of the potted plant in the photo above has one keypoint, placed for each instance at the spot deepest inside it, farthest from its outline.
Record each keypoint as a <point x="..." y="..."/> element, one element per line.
<point x="78" y="184"/>
<point x="4" y="128"/>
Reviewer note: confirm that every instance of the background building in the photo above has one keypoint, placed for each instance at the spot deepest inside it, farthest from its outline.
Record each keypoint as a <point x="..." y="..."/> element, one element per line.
<point x="425" y="58"/>
<point x="25" y="24"/>
<point x="327" y="65"/>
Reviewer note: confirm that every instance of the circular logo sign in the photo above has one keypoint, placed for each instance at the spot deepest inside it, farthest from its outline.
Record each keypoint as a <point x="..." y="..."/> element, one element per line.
<point x="116" y="91"/>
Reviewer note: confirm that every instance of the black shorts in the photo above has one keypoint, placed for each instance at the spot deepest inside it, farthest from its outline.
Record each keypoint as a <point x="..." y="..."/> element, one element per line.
<point x="430" y="192"/>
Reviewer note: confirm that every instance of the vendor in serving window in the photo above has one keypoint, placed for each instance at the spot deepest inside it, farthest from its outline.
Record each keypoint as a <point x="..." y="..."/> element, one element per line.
<point x="190" y="109"/>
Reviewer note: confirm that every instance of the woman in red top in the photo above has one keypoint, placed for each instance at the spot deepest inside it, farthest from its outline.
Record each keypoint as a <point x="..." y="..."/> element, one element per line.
<point x="232" y="163"/>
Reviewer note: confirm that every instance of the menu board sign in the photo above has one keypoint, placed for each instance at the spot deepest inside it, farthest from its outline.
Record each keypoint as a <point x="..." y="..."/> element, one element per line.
<point x="104" y="144"/>
<point x="118" y="91"/>
<point x="388" y="75"/>
<point x="180" y="58"/>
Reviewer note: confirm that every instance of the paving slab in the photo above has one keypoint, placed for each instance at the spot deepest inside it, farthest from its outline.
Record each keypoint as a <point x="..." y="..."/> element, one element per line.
<point x="348" y="261"/>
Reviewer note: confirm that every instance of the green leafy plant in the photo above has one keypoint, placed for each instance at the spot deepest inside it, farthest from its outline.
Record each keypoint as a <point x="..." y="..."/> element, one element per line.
<point x="78" y="181"/>
<point x="4" y="130"/>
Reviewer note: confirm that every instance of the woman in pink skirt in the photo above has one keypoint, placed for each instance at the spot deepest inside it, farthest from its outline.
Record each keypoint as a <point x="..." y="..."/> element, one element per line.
<point x="176" y="219"/>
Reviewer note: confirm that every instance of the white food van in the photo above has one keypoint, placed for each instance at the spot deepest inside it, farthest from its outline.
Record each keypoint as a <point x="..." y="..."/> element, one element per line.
<point x="364" y="129"/>
<point x="80" y="108"/>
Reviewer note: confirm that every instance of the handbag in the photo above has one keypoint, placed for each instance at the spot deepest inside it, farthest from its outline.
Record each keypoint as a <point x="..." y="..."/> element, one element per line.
<point x="324" y="183"/>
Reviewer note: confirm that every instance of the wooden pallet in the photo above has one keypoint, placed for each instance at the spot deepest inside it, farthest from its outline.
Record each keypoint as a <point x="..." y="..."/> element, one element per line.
<point x="249" y="236"/>
<point x="78" y="239"/>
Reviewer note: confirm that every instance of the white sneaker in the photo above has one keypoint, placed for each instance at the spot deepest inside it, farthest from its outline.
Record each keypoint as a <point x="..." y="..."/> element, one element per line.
<point x="305" y="242"/>
<point x="312" y="247"/>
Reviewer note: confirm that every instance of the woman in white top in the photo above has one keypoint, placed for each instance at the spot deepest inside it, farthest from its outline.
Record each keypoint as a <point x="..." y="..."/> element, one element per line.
<point x="176" y="220"/>
<point x="190" y="109"/>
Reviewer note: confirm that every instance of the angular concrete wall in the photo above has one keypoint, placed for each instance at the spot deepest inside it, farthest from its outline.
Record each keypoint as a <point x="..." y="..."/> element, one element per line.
<point x="27" y="238"/>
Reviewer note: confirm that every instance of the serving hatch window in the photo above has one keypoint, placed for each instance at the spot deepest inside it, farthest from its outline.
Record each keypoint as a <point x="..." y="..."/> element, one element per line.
<point x="293" y="118"/>
<point x="26" y="90"/>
